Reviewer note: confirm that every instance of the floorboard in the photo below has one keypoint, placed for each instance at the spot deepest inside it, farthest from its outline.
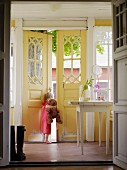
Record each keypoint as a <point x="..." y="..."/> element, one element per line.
<point x="42" y="152"/>
<point x="64" y="152"/>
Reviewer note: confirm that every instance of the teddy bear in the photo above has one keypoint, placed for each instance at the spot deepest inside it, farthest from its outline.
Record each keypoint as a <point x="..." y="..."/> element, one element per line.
<point x="53" y="112"/>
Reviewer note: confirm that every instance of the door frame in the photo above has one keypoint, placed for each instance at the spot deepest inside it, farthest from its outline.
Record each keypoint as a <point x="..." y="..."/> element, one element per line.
<point x="119" y="10"/>
<point x="5" y="85"/>
<point x="55" y="1"/>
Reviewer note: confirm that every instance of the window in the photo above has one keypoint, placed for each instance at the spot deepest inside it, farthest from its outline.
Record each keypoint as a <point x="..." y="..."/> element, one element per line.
<point x="103" y="58"/>
<point x="72" y="59"/>
<point x="35" y="60"/>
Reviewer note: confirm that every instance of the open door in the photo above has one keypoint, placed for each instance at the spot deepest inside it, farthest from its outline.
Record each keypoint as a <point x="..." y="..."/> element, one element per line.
<point x="71" y="66"/>
<point x="120" y="83"/>
<point x="37" y="76"/>
<point x="4" y="81"/>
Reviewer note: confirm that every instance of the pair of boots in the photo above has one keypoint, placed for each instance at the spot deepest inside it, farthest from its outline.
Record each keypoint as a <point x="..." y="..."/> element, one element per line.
<point x="19" y="156"/>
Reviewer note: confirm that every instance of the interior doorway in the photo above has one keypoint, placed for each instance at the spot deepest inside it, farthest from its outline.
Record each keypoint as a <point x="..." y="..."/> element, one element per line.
<point x="55" y="7"/>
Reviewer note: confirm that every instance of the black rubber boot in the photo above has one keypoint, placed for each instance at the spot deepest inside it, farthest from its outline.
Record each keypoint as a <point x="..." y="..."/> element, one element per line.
<point x="13" y="156"/>
<point x="20" y="141"/>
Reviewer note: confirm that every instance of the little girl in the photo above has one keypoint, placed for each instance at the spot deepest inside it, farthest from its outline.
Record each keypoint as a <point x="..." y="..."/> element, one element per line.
<point x="45" y="127"/>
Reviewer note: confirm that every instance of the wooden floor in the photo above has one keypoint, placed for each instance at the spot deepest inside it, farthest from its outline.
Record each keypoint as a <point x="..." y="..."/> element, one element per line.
<point x="41" y="152"/>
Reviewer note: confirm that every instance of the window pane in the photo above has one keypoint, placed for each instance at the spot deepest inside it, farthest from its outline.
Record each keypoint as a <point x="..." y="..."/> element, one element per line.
<point x="76" y="56"/>
<point x="76" y="70"/>
<point x="104" y="75"/>
<point x="67" y="72"/>
<point x="72" y="46"/>
<point x="103" y="39"/>
<point x="39" y="70"/>
<point x="76" y="63"/>
<point x="110" y="85"/>
<point x="38" y="52"/>
<point x="103" y="84"/>
<point x="31" y="51"/>
<point x="31" y="69"/>
<point x="102" y="59"/>
<point x="76" y="50"/>
<point x="72" y="71"/>
<point x="110" y="37"/>
<point x="110" y="55"/>
<point x="67" y="64"/>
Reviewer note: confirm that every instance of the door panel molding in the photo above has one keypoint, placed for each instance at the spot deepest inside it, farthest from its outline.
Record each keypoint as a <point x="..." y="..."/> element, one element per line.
<point x="120" y="119"/>
<point x="120" y="76"/>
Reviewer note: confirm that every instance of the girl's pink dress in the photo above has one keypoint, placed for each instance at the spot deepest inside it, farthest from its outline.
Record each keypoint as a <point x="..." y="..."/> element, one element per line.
<point x="45" y="127"/>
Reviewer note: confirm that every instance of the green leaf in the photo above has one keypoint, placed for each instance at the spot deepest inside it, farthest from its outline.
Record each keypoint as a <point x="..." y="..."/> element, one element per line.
<point x="85" y="87"/>
<point x="100" y="48"/>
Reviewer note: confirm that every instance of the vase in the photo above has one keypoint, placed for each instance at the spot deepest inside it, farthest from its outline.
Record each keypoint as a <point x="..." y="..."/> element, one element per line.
<point x="81" y="97"/>
<point x="84" y="95"/>
<point x="88" y="93"/>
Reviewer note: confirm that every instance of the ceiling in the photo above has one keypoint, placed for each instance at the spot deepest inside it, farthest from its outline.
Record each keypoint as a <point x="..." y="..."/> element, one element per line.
<point x="60" y="10"/>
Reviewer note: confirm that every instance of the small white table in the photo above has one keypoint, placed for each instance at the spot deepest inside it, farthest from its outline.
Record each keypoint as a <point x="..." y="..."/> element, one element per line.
<point x="92" y="106"/>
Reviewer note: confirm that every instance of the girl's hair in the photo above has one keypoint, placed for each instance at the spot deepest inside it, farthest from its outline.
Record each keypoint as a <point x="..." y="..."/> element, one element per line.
<point x="48" y="95"/>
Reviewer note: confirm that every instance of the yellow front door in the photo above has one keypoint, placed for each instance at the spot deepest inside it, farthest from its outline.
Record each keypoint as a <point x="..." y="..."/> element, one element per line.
<point x="71" y="73"/>
<point x="36" y="77"/>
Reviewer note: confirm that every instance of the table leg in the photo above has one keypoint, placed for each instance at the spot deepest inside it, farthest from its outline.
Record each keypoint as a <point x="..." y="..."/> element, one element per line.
<point x="81" y="128"/>
<point x="100" y="127"/>
<point x="77" y="123"/>
<point x="107" y="130"/>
